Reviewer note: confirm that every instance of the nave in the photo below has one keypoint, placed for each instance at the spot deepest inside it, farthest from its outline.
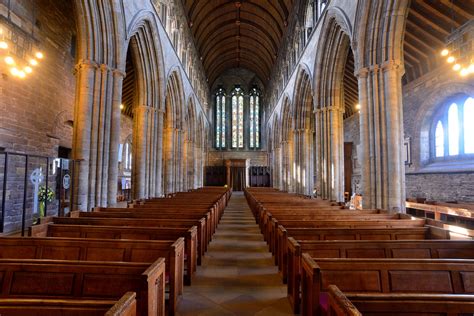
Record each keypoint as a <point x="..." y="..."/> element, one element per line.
<point x="237" y="276"/>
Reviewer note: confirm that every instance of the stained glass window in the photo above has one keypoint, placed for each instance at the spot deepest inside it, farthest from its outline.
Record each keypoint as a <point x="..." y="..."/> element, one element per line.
<point x="254" y="119"/>
<point x="237" y="118"/>
<point x="220" y="118"/>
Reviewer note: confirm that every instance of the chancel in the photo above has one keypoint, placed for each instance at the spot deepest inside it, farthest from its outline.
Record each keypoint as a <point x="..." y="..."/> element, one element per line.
<point x="236" y="157"/>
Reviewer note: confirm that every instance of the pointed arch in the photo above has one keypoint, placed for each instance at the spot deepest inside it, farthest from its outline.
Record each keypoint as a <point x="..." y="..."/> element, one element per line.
<point x="174" y="134"/>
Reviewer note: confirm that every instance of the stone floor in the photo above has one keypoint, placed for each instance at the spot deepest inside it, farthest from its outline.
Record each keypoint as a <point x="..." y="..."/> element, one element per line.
<point x="237" y="276"/>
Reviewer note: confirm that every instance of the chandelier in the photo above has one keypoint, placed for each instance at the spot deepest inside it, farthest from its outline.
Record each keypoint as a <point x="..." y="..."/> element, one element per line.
<point x="459" y="49"/>
<point x="19" y="50"/>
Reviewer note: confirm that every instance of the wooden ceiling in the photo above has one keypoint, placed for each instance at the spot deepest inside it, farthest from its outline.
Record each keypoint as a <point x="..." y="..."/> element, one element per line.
<point x="129" y="86"/>
<point x="429" y="23"/>
<point x="238" y="34"/>
<point x="351" y="88"/>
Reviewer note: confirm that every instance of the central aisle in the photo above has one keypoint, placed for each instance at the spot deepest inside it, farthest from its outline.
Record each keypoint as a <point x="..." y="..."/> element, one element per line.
<point x="237" y="276"/>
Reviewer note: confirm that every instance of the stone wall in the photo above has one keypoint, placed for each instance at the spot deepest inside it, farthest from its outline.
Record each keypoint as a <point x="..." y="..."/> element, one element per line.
<point x="422" y="98"/>
<point x="352" y="135"/>
<point x="36" y="113"/>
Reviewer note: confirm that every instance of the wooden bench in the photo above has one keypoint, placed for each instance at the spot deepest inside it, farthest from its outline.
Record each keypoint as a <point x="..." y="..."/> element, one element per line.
<point x="154" y="214"/>
<point x="103" y="250"/>
<point x="166" y="212"/>
<point x="272" y="231"/>
<point x="61" y="279"/>
<point x="416" y="233"/>
<point x="413" y="249"/>
<point x="125" y="306"/>
<point x="440" y="276"/>
<point x="141" y="222"/>
<point x="341" y="304"/>
<point x="132" y="233"/>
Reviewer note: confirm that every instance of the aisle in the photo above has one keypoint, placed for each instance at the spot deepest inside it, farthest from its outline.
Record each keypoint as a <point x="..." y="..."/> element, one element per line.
<point x="237" y="276"/>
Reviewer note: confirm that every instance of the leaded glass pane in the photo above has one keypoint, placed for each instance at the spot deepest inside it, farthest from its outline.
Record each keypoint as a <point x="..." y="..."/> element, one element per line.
<point x="223" y="121"/>
<point x="241" y="121"/>
<point x="439" y="140"/>
<point x="469" y="126"/>
<point x="257" y="121"/>
<point x="218" y="122"/>
<point x="234" y="121"/>
<point x="252" y="98"/>
<point x="453" y="130"/>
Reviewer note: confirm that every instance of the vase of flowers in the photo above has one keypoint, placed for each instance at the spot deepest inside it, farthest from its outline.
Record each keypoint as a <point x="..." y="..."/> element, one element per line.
<point x="44" y="194"/>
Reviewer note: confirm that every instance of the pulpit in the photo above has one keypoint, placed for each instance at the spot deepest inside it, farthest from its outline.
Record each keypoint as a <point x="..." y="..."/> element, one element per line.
<point x="237" y="174"/>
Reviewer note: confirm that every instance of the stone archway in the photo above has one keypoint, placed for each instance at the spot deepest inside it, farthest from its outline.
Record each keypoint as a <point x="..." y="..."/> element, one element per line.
<point x="329" y="73"/>
<point x="173" y="141"/>
<point x="304" y="133"/>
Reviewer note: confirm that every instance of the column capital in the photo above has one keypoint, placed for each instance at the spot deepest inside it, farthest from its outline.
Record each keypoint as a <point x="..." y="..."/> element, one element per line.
<point x="85" y="64"/>
<point x="362" y="72"/>
<point x="119" y="73"/>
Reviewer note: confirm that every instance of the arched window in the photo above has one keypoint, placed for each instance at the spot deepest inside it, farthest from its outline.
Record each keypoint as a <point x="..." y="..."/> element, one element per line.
<point x="254" y="119"/>
<point x="309" y="18"/>
<point x="220" y="118"/>
<point x="453" y="129"/>
<point x="469" y="126"/>
<point x="439" y="139"/>
<point x="322" y="6"/>
<point x="237" y="118"/>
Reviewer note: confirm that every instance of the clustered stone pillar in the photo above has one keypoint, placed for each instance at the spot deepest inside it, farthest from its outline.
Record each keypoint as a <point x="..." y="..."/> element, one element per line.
<point x="115" y="136"/>
<point x="96" y="130"/>
<point x="277" y="168"/>
<point x="381" y="130"/>
<point x="168" y="156"/>
<point x="330" y="146"/>
<point x="139" y="151"/>
<point x="159" y="191"/>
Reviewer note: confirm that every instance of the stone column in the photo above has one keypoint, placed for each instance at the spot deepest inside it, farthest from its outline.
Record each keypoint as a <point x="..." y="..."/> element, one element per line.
<point x="381" y="123"/>
<point x="168" y="162"/>
<point x="185" y="164"/>
<point x="85" y="74"/>
<point x="337" y="154"/>
<point x="115" y="137"/>
<point x="330" y="148"/>
<point x="308" y="151"/>
<point x="159" y="190"/>
<point x="140" y="127"/>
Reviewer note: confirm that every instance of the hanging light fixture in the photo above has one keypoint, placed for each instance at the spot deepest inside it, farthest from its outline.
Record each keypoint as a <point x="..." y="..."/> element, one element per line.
<point x="459" y="49"/>
<point x="18" y="58"/>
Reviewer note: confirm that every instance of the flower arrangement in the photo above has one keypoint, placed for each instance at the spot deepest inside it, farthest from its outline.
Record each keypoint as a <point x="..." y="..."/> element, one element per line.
<point x="45" y="194"/>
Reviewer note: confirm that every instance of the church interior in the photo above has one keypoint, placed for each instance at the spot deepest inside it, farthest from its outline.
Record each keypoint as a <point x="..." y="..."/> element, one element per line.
<point x="236" y="157"/>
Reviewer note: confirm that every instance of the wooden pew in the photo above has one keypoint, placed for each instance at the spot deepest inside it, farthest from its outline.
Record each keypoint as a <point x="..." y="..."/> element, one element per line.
<point x="103" y="250"/>
<point x="166" y="212"/>
<point x="133" y="233"/>
<point x="61" y="279"/>
<point x="272" y="231"/>
<point x="412" y="249"/>
<point x="442" y="276"/>
<point x="155" y="214"/>
<point x="125" y="306"/>
<point x="341" y="304"/>
<point x="141" y="222"/>
<point x="417" y="233"/>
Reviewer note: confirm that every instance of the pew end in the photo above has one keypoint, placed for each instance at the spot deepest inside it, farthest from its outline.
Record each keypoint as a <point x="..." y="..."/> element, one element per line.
<point x="339" y="304"/>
